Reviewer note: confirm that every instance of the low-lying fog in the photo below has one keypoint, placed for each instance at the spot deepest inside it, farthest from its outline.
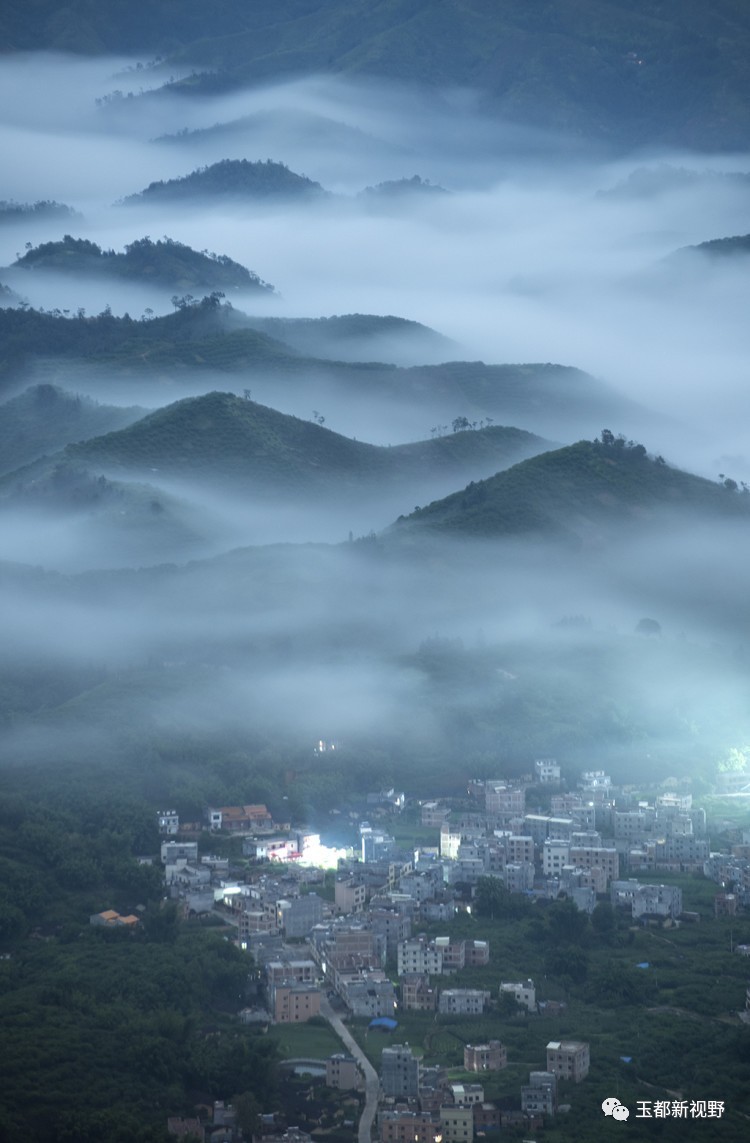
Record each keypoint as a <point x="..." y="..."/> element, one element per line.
<point x="541" y="251"/>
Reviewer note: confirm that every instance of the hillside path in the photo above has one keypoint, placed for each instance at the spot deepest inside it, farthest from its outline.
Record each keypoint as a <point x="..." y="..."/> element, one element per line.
<point x="372" y="1083"/>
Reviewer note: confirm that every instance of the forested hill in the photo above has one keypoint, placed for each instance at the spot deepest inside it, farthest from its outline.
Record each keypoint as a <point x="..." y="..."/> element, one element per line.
<point x="577" y="493"/>
<point x="231" y="178"/>
<point x="166" y="263"/>
<point x="671" y="72"/>
<point x="211" y="336"/>
<point x="223" y="438"/>
<point x="45" y="419"/>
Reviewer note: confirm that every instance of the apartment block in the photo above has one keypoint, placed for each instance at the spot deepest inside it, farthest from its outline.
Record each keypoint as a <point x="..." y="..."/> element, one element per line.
<point x="568" y="1059"/>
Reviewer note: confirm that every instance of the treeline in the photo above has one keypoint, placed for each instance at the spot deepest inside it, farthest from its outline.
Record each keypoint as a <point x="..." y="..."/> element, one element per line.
<point x="163" y="263"/>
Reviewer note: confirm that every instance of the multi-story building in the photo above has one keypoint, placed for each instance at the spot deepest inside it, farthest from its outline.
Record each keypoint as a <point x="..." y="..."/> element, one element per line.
<point x="519" y="878"/>
<point x="502" y="800"/>
<point x="433" y="814"/>
<point x="419" y="955"/>
<point x="597" y="857"/>
<point x="174" y="851"/>
<point x="490" y="1057"/>
<point x="457" y="1124"/>
<point x="523" y="991"/>
<point x="294" y="1003"/>
<point x="466" y="1094"/>
<point x="350" y="895"/>
<point x="168" y="822"/>
<point x="463" y="1001"/>
<point x="539" y="1096"/>
<point x="554" y="856"/>
<point x="239" y="819"/>
<point x="546" y="771"/>
<point x="399" y="1072"/>
<point x="416" y="993"/>
<point x="403" y="1126"/>
<point x="568" y="1059"/>
<point x="342" y="1073"/>
<point x="296" y="918"/>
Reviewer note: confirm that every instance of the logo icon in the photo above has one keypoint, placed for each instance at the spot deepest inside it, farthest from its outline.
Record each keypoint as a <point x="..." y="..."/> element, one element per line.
<point x="614" y="1108"/>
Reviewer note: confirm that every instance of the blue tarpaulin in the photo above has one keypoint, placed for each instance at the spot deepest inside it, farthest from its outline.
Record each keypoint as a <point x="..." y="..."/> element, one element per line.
<point x="384" y="1022"/>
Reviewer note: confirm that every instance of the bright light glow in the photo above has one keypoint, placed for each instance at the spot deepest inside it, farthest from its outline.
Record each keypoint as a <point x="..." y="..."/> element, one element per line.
<point x="322" y="856"/>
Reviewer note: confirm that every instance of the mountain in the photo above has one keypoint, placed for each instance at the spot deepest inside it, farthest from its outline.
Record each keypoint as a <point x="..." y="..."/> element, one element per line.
<point x="359" y="337"/>
<point x="237" y="179"/>
<point x="45" y="418"/>
<point x="166" y="263"/>
<point x="718" y="248"/>
<point x="13" y="212"/>
<point x="223" y="439"/>
<point x="674" y="72"/>
<point x="580" y="494"/>
<point x="208" y="336"/>
<point x="289" y="129"/>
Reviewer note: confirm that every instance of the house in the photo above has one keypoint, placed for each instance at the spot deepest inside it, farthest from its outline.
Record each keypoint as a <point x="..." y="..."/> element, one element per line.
<point x="539" y="1096"/>
<point x="369" y="994"/>
<point x="168" y="822"/>
<point x="463" y="1001"/>
<point x="416" y="993"/>
<point x="546" y="771"/>
<point x="457" y="1124"/>
<point x="342" y="1073"/>
<point x="400" y="1125"/>
<point x="433" y="814"/>
<point x="466" y="1094"/>
<point x="490" y="1057"/>
<point x="293" y="1003"/>
<point x="523" y="991"/>
<point x="239" y="819"/>
<point x="568" y="1059"/>
<point x="110" y="919"/>
<point x="399" y="1072"/>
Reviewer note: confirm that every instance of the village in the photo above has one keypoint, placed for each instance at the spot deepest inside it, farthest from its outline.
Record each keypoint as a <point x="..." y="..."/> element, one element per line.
<point x="351" y="937"/>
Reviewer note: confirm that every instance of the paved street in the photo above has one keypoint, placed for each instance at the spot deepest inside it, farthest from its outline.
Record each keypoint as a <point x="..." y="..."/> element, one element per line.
<point x="372" y="1083"/>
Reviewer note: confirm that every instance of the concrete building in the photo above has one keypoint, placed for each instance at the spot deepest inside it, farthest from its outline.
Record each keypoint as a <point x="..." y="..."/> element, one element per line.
<point x="433" y="814"/>
<point x="419" y="955"/>
<point x="168" y="822"/>
<point x="457" y="1124"/>
<point x="523" y="991"/>
<point x="490" y="1057"/>
<point x="295" y="1003"/>
<point x="597" y="857"/>
<point x="296" y="918"/>
<point x="416" y="993"/>
<point x="343" y="1073"/>
<point x="350" y="895"/>
<point x="546" y="771"/>
<point x="463" y="1001"/>
<point x="539" y="1096"/>
<point x="568" y="1059"/>
<point x="404" y="1126"/>
<point x="466" y="1094"/>
<point x="174" y="851"/>
<point x="399" y="1072"/>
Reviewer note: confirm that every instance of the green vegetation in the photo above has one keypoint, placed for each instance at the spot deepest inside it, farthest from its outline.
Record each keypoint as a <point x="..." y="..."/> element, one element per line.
<point x="232" y="178"/>
<point x="165" y="263"/>
<point x="45" y="418"/>
<point x="12" y="212"/>
<point x="104" y="1033"/>
<point x="675" y="73"/>
<point x="577" y="494"/>
<point x="720" y="248"/>
<point x="397" y="187"/>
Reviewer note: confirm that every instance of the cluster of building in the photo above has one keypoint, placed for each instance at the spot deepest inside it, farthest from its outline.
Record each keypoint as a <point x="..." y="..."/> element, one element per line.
<point x="419" y="1103"/>
<point x="592" y="842"/>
